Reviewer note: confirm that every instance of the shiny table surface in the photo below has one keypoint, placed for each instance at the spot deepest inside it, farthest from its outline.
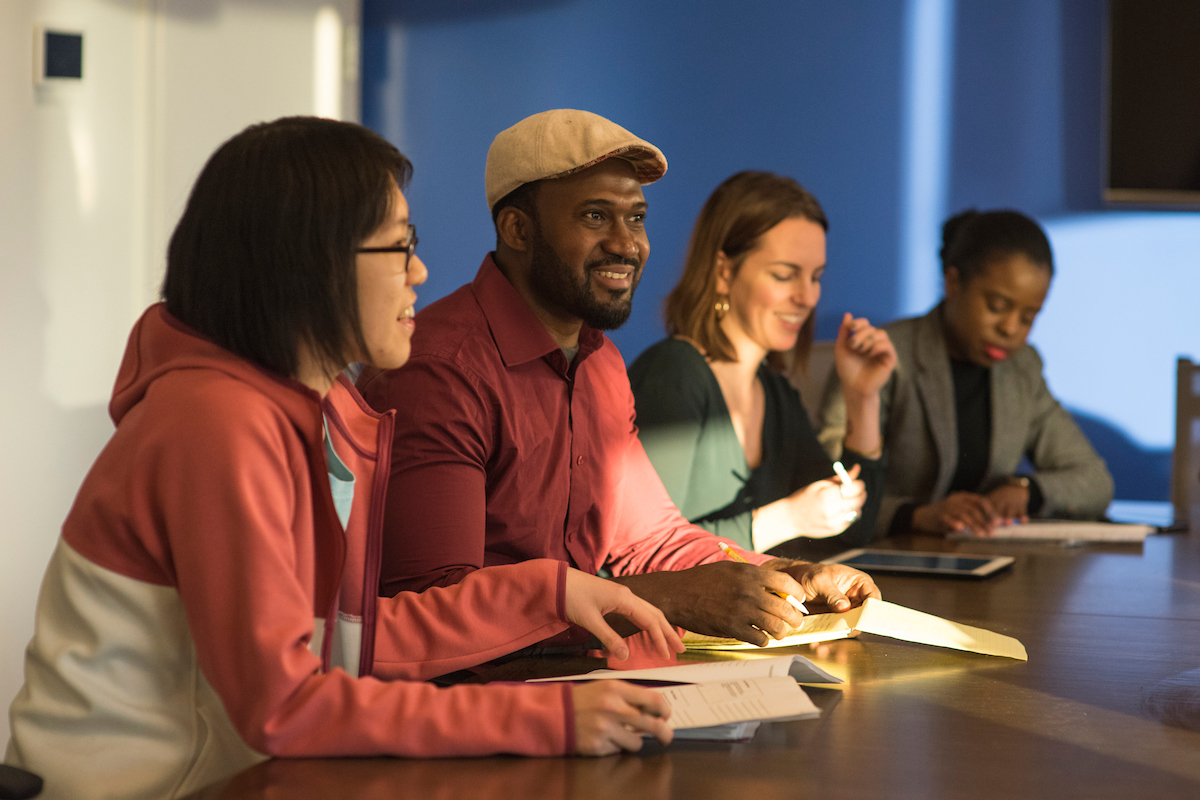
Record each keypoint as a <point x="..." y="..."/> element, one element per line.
<point x="1107" y="706"/>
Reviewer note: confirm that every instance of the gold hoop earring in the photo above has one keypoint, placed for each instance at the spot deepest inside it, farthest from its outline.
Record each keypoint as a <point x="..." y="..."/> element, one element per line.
<point x="721" y="306"/>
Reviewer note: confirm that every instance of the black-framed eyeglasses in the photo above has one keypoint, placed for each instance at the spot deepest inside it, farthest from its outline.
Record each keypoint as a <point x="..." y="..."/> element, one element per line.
<point x="408" y="247"/>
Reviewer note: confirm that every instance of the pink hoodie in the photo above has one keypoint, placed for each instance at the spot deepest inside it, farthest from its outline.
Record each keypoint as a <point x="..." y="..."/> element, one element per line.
<point x="204" y="608"/>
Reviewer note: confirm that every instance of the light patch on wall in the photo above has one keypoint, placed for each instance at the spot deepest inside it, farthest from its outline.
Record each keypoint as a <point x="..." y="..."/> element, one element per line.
<point x="1121" y="310"/>
<point x="391" y="95"/>
<point x="84" y="154"/>
<point x="930" y="46"/>
<point x="328" y="63"/>
<point x="87" y="185"/>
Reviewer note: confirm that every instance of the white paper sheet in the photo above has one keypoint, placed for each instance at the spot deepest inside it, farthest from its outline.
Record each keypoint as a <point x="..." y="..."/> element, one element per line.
<point x="701" y="705"/>
<point x="1068" y="531"/>
<point x="798" y="667"/>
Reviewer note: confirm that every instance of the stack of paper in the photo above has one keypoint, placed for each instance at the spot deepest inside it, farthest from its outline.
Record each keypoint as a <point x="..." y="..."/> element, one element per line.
<point x="726" y="700"/>
<point x="884" y="619"/>
<point x="798" y="667"/>
<point x="721" y="710"/>
<point x="1068" y="531"/>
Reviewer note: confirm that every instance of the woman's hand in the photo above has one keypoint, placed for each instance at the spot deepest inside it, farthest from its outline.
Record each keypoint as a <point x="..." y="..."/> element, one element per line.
<point x="826" y="508"/>
<point x="1010" y="502"/>
<point x="817" y="511"/>
<point x="958" y="511"/>
<point x="611" y="716"/>
<point x="864" y="357"/>
<point x="589" y="598"/>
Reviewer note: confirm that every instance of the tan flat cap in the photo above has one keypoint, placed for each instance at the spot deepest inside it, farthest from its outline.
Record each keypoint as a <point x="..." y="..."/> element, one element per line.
<point x="556" y="143"/>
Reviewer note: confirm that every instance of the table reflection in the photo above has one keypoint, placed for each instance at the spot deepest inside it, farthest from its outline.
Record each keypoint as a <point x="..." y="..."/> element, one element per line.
<point x="615" y="777"/>
<point x="1175" y="701"/>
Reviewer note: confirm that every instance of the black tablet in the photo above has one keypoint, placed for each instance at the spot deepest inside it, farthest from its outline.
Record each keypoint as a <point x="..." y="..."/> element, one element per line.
<point x="913" y="563"/>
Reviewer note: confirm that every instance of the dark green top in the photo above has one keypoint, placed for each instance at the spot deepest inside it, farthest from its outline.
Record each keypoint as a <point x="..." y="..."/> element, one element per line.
<point x="685" y="427"/>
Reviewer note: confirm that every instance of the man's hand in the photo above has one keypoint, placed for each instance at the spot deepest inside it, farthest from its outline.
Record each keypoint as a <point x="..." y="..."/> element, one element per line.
<point x="836" y="586"/>
<point x="589" y="598"/>
<point x="723" y="599"/>
<point x="957" y="511"/>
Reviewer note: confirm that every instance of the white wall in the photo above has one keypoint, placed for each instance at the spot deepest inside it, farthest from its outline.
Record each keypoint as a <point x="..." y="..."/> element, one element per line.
<point x="93" y="175"/>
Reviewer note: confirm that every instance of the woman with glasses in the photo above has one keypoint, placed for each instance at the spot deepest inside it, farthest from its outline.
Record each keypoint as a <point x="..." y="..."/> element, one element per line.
<point x="212" y="599"/>
<point x="725" y="430"/>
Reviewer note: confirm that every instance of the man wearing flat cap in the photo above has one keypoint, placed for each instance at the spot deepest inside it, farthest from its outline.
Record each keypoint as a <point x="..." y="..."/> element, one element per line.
<point x="515" y="437"/>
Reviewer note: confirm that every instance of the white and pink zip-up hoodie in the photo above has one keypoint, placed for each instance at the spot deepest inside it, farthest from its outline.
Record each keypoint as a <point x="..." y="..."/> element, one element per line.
<point x="204" y="608"/>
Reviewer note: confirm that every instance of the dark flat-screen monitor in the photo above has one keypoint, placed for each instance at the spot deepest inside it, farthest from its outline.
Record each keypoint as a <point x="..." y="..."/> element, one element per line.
<point x="1154" y="102"/>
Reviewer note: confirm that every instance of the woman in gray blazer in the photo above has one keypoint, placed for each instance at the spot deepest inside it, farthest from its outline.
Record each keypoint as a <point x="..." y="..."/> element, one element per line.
<point x="968" y="400"/>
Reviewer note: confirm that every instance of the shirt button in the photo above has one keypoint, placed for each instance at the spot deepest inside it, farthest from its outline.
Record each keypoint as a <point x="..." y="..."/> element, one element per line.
<point x="579" y="459"/>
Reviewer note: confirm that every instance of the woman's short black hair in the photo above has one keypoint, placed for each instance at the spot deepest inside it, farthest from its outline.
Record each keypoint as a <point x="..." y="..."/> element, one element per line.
<point x="973" y="239"/>
<point x="263" y="259"/>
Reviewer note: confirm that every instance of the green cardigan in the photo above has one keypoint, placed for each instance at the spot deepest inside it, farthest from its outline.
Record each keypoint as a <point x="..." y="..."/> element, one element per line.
<point x="685" y="427"/>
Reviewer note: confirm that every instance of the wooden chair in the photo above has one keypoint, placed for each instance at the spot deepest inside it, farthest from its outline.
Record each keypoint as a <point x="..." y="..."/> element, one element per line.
<point x="1185" y="468"/>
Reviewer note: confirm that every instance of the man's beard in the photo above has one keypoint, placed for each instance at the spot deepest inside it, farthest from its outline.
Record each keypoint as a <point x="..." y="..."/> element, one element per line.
<point x="551" y="280"/>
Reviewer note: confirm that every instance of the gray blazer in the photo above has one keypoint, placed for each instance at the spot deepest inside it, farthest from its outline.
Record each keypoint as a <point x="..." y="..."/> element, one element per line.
<point x="920" y="440"/>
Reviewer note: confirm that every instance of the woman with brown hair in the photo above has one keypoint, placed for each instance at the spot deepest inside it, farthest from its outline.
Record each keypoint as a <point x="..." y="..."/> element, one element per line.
<point x="723" y="427"/>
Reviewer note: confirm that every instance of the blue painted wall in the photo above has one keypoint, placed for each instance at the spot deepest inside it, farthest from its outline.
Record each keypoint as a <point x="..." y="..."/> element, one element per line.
<point x="808" y="89"/>
<point x="1028" y="119"/>
<point x="814" y="89"/>
<point x="1028" y="133"/>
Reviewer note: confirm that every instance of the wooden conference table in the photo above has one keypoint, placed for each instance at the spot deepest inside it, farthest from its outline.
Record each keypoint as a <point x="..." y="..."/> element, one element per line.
<point x="1107" y="706"/>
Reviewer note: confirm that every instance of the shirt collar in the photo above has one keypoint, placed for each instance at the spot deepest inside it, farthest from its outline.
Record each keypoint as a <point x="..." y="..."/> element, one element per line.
<point x="520" y="336"/>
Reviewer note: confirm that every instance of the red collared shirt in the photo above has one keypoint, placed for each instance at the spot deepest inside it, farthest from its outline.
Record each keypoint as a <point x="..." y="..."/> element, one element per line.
<point x="504" y="452"/>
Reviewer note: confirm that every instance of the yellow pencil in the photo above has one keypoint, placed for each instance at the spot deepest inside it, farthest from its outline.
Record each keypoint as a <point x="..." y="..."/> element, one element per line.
<point x="793" y="602"/>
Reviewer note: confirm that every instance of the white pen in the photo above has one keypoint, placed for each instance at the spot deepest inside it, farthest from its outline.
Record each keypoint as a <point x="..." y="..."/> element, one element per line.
<point x="792" y="601"/>
<point x="844" y="477"/>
